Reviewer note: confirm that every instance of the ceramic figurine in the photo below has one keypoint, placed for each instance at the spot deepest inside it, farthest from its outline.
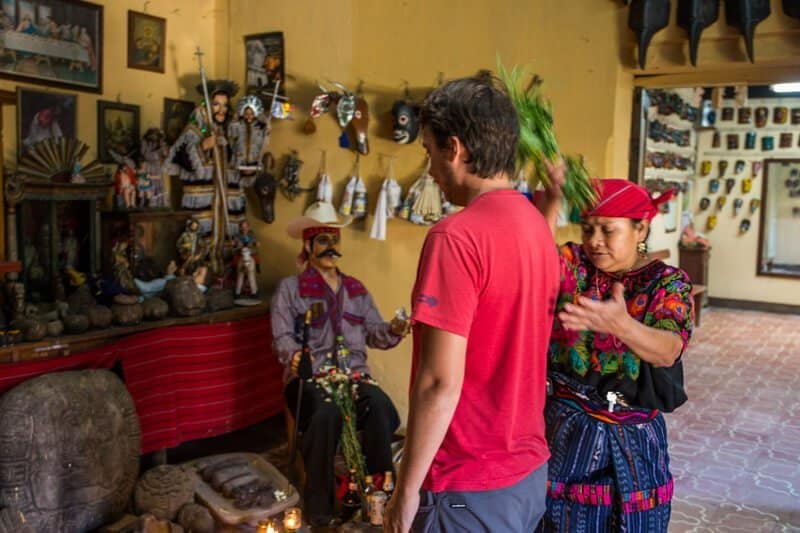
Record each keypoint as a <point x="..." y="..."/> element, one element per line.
<point x="730" y="183"/>
<point x="721" y="201"/>
<point x="762" y="115"/>
<point x="246" y="259"/>
<point x="704" y="203"/>
<point x="154" y="151"/>
<point x="249" y="136"/>
<point x="755" y="203"/>
<point x="750" y="140"/>
<point x="191" y="248"/>
<point x="747" y="184"/>
<point x="713" y="186"/>
<point x="744" y="226"/>
<point x="722" y="166"/>
<point x="125" y="182"/>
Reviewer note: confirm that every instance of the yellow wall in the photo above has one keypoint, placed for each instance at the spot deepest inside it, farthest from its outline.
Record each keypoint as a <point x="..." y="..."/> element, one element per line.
<point x="572" y="45"/>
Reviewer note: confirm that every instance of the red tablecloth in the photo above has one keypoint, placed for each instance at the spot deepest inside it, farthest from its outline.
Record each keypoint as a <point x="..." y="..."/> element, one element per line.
<point x="187" y="382"/>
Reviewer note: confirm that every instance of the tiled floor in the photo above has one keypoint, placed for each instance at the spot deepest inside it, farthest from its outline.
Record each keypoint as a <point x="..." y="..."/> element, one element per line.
<point x="735" y="446"/>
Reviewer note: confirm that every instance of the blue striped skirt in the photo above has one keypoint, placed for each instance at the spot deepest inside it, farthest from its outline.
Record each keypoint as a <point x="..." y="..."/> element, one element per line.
<point x="607" y="471"/>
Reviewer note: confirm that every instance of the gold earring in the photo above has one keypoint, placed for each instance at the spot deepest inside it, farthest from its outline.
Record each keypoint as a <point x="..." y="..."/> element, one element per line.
<point x="641" y="249"/>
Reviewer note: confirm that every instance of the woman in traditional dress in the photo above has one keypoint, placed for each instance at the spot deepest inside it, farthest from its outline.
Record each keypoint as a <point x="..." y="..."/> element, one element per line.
<point x="622" y="323"/>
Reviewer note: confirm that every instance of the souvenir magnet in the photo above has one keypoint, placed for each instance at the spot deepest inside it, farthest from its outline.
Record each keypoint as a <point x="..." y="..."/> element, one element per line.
<point x="750" y="140"/>
<point x="737" y="206"/>
<point x="755" y="203"/>
<point x="795" y="116"/>
<point x="762" y="116"/>
<point x="756" y="166"/>
<point x="767" y="143"/>
<point x="722" y="166"/>
<point x="715" y="140"/>
<point x="780" y="114"/>
<point x="727" y="113"/>
<point x="721" y="200"/>
<point x="739" y="167"/>
<point x="705" y="168"/>
<point x="730" y="183"/>
<point x="713" y="186"/>
<point x="704" y="203"/>
<point x="785" y="140"/>
<point x="732" y="140"/>
<point x="711" y="223"/>
<point x="747" y="184"/>
<point x="744" y="225"/>
<point x="744" y="115"/>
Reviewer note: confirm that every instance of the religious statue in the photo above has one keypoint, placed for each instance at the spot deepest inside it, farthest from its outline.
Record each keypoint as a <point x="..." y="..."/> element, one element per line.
<point x="191" y="248"/>
<point x="154" y="151"/>
<point x="193" y="159"/>
<point x="245" y="259"/>
<point x="125" y="181"/>
<point x="121" y="266"/>
<point x="249" y="135"/>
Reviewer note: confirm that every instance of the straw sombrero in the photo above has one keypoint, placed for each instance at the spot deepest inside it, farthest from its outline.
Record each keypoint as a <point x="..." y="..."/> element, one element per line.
<point x="317" y="214"/>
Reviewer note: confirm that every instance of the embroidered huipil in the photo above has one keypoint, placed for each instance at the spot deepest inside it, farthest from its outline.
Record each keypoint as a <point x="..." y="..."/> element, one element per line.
<point x="349" y="312"/>
<point x="657" y="295"/>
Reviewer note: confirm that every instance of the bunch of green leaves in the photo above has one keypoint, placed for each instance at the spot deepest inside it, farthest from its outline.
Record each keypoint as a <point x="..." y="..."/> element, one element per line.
<point x="537" y="141"/>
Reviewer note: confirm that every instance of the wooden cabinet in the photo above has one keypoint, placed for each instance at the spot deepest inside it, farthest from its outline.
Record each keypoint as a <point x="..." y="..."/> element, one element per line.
<point x="694" y="261"/>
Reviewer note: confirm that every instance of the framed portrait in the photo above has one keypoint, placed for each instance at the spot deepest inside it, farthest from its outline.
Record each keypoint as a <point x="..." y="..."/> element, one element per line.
<point x="42" y="115"/>
<point x="147" y="38"/>
<point x="117" y="129"/>
<point x="265" y="60"/>
<point x="175" y="118"/>
<point x="52" y="42"/>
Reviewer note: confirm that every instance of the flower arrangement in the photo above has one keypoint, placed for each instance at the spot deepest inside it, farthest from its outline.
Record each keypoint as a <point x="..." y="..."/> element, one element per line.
<point x="341" y="388"/>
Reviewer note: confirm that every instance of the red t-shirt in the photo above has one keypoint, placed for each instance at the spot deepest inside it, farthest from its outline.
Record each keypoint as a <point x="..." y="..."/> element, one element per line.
<point x="490" y="274"/>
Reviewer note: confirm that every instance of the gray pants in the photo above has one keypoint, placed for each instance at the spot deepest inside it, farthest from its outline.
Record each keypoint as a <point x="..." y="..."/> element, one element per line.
<point x="515" y="509"/>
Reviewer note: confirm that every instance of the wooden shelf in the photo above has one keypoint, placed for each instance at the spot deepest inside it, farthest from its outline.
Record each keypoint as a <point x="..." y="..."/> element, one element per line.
<point x="69" y="344"/>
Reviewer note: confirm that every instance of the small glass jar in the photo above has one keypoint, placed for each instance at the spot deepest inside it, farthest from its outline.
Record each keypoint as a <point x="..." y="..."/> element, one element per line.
<point x="292" y="519"/>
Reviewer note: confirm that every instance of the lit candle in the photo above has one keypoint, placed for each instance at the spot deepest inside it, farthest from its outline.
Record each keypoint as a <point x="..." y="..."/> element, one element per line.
<point x="292" y="520"/>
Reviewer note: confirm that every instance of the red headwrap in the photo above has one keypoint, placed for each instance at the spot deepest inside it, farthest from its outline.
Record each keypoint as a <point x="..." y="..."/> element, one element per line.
<point x="310" y="233"/>
<point x="624" y="199"/>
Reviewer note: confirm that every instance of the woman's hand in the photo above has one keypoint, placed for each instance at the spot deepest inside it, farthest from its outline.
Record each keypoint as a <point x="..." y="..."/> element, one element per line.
<point x="609" y="316"/>
<point x="557" y="172"/>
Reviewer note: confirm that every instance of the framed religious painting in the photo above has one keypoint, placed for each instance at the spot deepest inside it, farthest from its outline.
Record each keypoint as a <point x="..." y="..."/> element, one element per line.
<point x="265" y="60"/>
<point x="42" y="115"/>
<point x="117" y="130"/>
<point x="175" y="118"/>
<point x="52" y="42"/>
<point x="147" y="39"/>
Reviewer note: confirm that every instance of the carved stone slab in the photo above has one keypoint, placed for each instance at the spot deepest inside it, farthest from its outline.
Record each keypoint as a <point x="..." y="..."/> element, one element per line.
<point x="69" y="450"/>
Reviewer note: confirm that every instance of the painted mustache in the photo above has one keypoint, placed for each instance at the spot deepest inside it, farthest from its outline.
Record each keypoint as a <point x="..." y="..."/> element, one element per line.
<point x="330" y="252"/>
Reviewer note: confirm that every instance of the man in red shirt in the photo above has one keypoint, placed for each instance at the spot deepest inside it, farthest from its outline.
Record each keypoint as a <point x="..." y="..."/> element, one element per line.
<point x="475" y="457"/>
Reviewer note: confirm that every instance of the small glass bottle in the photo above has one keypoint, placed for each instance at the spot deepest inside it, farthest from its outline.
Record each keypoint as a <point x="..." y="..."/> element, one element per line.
<point x="342" y="354"/>
<point x="369" y="490"/>
<point x="351" y="502"/>
<point x="388" y="484"/>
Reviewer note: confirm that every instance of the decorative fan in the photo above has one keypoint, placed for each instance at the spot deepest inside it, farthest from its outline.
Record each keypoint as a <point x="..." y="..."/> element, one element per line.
<point x="58" y="160"/>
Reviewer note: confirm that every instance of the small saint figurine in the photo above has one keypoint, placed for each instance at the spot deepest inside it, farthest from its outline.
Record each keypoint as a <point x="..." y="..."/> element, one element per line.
<point x="191" y="248"/>
<point x="245" y="259"/>
<point x="125" y="181"/>
<point x="154" y="151"/>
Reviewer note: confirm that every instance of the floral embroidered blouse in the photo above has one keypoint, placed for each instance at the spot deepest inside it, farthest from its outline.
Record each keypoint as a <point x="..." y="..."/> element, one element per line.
<point x="658" y="295"/>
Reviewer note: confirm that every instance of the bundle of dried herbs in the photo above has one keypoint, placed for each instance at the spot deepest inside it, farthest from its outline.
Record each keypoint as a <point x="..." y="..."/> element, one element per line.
<point x="538" y="142"/>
